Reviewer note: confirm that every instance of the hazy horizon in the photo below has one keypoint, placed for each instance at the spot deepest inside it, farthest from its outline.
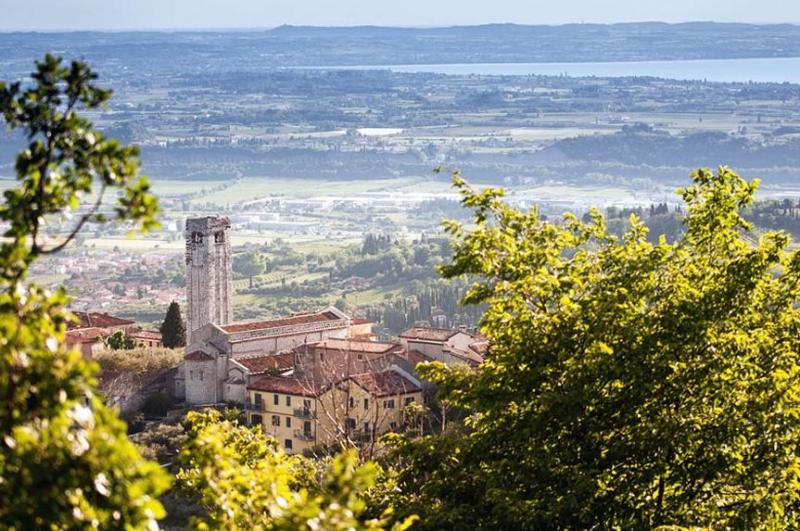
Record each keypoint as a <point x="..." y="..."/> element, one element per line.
<point x="201" y="15"/>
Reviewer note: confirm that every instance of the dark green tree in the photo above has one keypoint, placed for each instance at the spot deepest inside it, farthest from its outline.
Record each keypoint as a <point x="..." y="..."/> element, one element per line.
<point x="630" y="384"/>
<point x="249" y="265"/>
<point x="173" y="330"/>
<point x="119" y="340"/>
<point x="65" y="460"/>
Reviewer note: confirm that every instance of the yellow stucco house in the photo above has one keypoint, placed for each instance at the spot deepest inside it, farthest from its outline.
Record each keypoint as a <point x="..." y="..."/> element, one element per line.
<point x="302" y="414"/>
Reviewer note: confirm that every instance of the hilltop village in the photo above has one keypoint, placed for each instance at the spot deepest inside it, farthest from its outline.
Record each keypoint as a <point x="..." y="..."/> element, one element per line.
<point x="309" y="379"/>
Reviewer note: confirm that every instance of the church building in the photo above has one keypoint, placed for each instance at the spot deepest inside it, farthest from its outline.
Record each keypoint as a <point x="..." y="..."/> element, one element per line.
<point x="222" y="356"/>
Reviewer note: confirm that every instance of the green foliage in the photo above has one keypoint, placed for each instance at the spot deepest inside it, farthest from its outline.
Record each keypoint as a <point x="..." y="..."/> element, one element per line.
<point x="65" y="461"/>
<point x="119" y="340"/>
<point x="629" y="384"/>
<point x="245" y="481"/>
<point x="157" y="405"/>
<point x="138" y="360"/>
<point x="173" y="329"/>
<point x="249" y="265"/>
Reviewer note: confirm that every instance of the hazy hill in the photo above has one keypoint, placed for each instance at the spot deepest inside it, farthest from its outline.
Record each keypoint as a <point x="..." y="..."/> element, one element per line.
<point x="369" y="45"/>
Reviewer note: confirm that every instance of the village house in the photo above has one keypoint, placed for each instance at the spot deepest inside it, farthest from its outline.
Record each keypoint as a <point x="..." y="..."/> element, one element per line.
<point x="89" y="333"/>
<point x="446" y="345"/>
<point x="302" y="414"/>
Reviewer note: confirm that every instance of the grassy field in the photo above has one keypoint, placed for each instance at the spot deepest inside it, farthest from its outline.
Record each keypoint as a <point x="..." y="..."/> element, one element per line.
<point x="256" y="187"/>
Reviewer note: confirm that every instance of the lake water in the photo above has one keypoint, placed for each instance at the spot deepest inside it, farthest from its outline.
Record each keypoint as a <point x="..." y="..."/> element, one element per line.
<point x="773" y="70"/>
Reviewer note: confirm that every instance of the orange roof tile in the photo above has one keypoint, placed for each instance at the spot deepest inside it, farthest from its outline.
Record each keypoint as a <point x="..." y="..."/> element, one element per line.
<point x="284" y="385"/>
<point x="385" y="383"/>
<point x="280" y="322"/>
<point x="98" y="320"/>
<point x="429" y="334"/>
<point x="260" y="364"/>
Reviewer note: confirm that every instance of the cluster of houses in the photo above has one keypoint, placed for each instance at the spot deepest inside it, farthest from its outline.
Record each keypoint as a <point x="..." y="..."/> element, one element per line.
<point x="308" y="379"/>
<point x="91" y="330"/>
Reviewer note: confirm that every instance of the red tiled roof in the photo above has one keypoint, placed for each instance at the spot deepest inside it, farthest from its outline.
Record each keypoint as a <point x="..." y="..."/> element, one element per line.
<point x="385" y="383"/>
<point x="345" y="345"/>
<point x="287" y="386"/>
<point x="415" y="357"/>
<point x="361" y="321"/>
<point x="260" y="364"/>
<point x="98" y="320"/>
<point x="86" y="335"/>
<point x="283" y="321"/>
<point x="198" y="355"/>
<point x="471" y="357"/>
<point x="145" y="334"/>
<point x="480" y="347"/>
<point x="429" y="334"/>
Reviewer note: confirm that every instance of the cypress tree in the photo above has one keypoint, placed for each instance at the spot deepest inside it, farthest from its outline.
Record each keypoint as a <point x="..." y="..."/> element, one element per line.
<point x="173" y="331"/>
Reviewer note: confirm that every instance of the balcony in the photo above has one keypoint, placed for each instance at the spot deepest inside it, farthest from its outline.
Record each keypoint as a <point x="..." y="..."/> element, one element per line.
<point x="254" y="407"/>
<point x="304" y="413"/>
<point x="360" y="436"/>
<point x="303" y="435"/>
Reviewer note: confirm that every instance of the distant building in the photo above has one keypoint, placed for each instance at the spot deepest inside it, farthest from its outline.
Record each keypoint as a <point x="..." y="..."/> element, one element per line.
<point x="92" y="328"/>
<point x="446" y="345"/>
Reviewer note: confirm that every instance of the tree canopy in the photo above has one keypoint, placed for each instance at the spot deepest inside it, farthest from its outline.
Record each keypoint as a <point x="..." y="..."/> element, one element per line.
<point x="173" y="329"/>
<point x="65" y="461"/>
<point x="245" y="481"/>
<point x="629" y="384"/>
<point x="249" y="265"/>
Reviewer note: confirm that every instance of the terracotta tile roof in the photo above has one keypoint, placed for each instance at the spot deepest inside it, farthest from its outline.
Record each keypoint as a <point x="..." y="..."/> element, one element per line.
<point x="473" y="358"/>
<point x="415" y="357"/>
<point x="145" y="334"/>
<point x="385" y="383"/>
<point x="284" y="385"/>
<point x="280" y="322"/>
<point x="348" y="345"/>
<point x="429" y="334"/>
<point x="360" y="321"/>
<point x="198" y="355"/>
<point x="98" y="320"/>
<point x="86" y="335"/>
<point x="261" y="364"/>
<point x="480" y="347"/>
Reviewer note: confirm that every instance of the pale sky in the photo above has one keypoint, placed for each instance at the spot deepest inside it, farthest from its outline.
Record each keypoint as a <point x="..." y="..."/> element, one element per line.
<point x="198" y="14"/>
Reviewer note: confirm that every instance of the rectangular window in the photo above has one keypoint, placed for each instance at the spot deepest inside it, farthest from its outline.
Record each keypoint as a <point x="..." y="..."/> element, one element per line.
<point x="307" y="427"/>
<point x="276" y="399"/>
<point x="388" y="404"/>
<point x="306" y="404"/>
<point x="258" y="399"/>
<point x="352" y="402"/>
<point x="393" y="425"/>
<point x="288" y="400"/>
<point x="409" y="400"/>
<point x="288" y="422"/>
<point x="366" y="427"/>
<point x="287" y="444"/>
<point x="351" y="423"/>
<point x="366" y="403"/>
<point x="201" y="376"/>
<point x="276" y="420"/>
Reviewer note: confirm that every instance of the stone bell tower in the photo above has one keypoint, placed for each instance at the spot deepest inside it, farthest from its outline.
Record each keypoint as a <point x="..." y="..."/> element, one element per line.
<point x="208" y="272"/>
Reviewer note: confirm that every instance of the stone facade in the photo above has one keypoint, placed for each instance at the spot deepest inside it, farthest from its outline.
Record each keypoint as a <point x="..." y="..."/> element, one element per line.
<point x="209" y="288"/>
